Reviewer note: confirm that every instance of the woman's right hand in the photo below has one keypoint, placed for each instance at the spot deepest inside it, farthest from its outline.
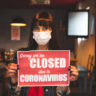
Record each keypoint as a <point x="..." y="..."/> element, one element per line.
<point x="12" y="71"/>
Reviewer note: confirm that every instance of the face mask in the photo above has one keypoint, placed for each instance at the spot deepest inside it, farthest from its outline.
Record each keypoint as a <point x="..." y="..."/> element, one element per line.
<point x="42" y="38"/>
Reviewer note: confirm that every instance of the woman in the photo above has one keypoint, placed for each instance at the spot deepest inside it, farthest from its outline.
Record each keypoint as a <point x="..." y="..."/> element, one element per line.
<point x="42" y="37"/>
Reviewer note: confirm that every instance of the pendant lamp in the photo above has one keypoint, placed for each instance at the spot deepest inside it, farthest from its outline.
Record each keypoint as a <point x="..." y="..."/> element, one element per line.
<point x="18" y="22"/>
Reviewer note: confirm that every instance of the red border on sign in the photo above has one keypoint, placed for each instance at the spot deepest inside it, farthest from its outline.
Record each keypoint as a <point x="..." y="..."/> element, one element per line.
<point x="37" y="69"/>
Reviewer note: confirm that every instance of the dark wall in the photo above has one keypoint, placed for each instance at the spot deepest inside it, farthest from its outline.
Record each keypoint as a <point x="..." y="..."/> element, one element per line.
<point x="60" y="21"/>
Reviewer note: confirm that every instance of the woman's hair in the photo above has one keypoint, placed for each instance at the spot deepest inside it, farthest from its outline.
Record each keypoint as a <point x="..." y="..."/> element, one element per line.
<point x="53" y="41"/>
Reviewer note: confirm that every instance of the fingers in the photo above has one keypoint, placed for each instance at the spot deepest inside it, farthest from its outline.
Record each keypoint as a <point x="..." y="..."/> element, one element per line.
<point x="73" y="78"/>
<point x="74" y="73"/>
<point x="12" y="66"/>
<point x="74" y="70"/>
<point x="12" y="69"/>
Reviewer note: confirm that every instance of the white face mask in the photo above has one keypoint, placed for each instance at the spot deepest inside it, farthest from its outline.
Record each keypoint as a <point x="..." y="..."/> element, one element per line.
<point x="42" y="38"/>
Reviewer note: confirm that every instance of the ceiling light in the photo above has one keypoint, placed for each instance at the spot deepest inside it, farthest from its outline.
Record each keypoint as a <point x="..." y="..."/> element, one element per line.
<point x="40" y="2"/>
<point x="18" y="22"/>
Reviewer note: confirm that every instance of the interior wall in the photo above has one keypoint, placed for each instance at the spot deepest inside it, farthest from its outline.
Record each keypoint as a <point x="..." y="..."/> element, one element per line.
<point x="86" y="47"/>
<point x="60" y="21"/>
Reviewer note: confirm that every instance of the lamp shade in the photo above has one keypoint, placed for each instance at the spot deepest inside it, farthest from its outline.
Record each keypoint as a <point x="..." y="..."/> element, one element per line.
<point x="18" y="22"/>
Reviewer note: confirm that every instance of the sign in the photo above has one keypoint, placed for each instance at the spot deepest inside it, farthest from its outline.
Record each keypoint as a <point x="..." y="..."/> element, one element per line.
<point x="15" y="33"/>
<point x="43" y="68"/>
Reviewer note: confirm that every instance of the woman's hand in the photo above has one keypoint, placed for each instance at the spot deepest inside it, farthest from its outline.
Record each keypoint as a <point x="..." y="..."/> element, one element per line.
<point x="12" y="72"/>
<point x="73" y="73"/>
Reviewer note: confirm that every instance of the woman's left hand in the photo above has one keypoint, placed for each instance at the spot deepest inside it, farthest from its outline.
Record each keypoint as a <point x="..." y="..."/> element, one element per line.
<point x="73" y="73"/>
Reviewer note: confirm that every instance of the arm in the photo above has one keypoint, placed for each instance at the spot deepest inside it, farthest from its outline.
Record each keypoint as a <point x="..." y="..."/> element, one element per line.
<point x="12" y="72"/>
<point x="12" y="85"/>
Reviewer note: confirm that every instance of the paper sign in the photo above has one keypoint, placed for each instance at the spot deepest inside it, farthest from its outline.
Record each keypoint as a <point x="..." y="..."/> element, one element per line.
<point x="43" y="68"/>
<point x="15" y="33"/>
